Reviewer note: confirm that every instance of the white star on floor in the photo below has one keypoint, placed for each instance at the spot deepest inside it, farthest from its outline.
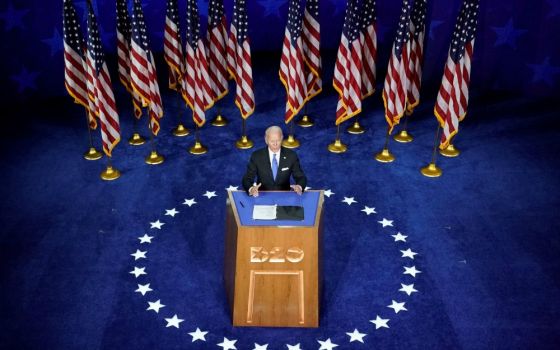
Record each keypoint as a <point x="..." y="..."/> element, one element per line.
<point x="198" y="335"/>
<point x="144" y="289"/>
<point x="189" y="202"/>
<point x="399" y="237"/>
<point x="349" y="200"/>
<point x="411" y="271"/>
<point x="327" y="193"/>
<point x="327" y="345"/>
<point x="228" y="344"/>
<point x="386" y="222"/>
<point x="408" y="254"/>
<point x="408" y="288"/>
<point x="380" y="322"/>
<point x="138" y="271"/>
<point x="293" y="347"/>
<point x="157" y="224"/>
<point x="171" y="212"/>
<point x="368" y="210"/>
<point x="210" y="194"/>
<point x="356" y="336"/>
<point x="139" y="254"/>
<point x="173" y="321"/>
<point x="397" y="306"/>
<point x="260" y="347"/>
<point x="232" y="188"/>
<point x="145" y="239"/>
<point x="155" y="305"/>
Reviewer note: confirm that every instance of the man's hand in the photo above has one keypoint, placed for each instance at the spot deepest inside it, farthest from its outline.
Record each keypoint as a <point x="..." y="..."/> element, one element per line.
<point x="297" y="188"/>
<point x="254" y="190"/>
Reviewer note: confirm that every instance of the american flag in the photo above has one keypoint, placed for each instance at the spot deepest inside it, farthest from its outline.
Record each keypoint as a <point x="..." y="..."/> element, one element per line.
<point x="453" y="96"/>
<point x="217" y="48"/>
<point x="172" y="46"/>
<point x="348" y="66"/>
<point x="396" y="81"/>
<point x="292" y="65"/>
<point x="143" y="70"/>
<point x="369" y="45"/>
<point x="123" y="51"/>
<point x="417" y="31"/>
<point x="74" y="63"/>
<point x="100" y="90"/>
<point x="239" y="60"/>
<point x="311" y="47"/>
<point x="198" y="91"/>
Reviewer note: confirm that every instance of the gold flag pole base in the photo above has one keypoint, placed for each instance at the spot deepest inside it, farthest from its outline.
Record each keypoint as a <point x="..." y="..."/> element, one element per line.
<point x="305" y="121"/>
<point x="356" y="129"/>
<point x="136" y="140"/>
<point x="450" y="151"/>
<point x="198" y="148"/>
<point x="110" y="174"/>
<point x="431" y="170"/>
<point x="154" y="158"/>
<point x="384" y="156"/>
<point x="92" y="154"/>
<point x="244" y="143"/>
<point x="337" y="147"/>
<point x="403" y="137"/>
<point x="219" y="121"/>
<point x="181" y="131"/>
<point x="290" y="142"/>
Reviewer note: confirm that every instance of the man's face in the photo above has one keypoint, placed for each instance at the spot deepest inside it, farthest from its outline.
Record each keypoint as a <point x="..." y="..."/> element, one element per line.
<point x="274" y="141"/>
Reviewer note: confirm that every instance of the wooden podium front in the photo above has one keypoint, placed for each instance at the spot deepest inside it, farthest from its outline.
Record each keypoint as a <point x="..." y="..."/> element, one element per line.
<point x="272" y="273"/>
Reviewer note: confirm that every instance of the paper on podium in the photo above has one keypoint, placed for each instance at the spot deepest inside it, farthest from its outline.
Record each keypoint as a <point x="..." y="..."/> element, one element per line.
<point x="264" y="212"/>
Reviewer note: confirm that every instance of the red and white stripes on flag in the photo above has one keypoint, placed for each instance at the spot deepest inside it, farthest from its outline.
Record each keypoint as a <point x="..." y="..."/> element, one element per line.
<point x="311" y="47"/>
<point x="143" y="70"/>
<point x="396" y="82"/>
<point x="239" y="60"/>
<point x="417" y="31"/>
<point x="173" y="47"/>
<point x="99" y="87"/>
<point x="347" y="73"/>
<point x="198" y="92"/>
<point x="74" y="62"/>
<point x="369" y="48"/>
<point x="123" y="52"/>
<point x="453" y="96"/>
<point x="217" y="48"/>
<point x="292" y="65"/>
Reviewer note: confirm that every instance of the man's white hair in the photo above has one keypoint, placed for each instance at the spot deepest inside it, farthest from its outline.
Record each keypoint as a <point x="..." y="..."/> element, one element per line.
<point x="273" y="129"/>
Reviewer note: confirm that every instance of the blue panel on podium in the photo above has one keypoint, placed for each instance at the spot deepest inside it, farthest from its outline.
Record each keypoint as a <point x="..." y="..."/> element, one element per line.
<point x="308" y="200"/>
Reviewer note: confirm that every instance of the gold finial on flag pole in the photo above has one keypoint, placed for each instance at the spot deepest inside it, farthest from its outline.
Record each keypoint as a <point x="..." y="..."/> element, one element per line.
<point x="244" y="142"/>
<point x="305" y="121"/>
<point x="432" y="170"/>
<point x="356" y="128"/>
<point x="291" y="141"/>
<point x="403" y="136"/>
<point x="136" y="139"/>
<point x="198" y="148"/>
<point x="385" y="156"/>
<point x="337" y="146"/>
<point x="92" y="153"/>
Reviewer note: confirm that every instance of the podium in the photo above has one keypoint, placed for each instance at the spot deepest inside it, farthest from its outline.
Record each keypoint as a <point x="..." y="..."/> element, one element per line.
<point x="272" y="273"/>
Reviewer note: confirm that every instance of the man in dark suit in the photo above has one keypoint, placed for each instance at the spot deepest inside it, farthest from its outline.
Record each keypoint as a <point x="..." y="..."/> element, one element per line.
<point x="272" y="166"/>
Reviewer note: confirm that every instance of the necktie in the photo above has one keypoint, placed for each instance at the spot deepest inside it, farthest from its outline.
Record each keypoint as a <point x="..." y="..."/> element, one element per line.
<point x="274" y="166"/>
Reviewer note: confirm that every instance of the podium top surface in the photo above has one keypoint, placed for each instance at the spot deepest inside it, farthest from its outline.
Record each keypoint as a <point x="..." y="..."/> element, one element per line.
<point x="244" y="205"/>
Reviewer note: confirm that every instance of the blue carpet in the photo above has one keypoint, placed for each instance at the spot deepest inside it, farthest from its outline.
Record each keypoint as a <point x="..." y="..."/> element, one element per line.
<point x="485" y="233"/>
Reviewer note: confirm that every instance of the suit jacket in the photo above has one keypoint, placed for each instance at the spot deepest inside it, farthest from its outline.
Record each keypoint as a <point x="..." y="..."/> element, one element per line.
<point x="259" y="167"/>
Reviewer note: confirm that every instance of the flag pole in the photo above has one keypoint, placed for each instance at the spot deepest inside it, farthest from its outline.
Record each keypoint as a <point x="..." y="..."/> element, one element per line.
<point x="385" y="156"/>
<point x="154" y="158"/>
<point x="136" y="139"/>
<point x="198" y="147"/>
<point x="219" y="120"/>
<point x="306" y="121"/>
<point x="431" y="170"/>
<point x="243" y="142"/>
<point x="180" y="130"/>
<point x="403" y="136"/>
<point x="356" y="128"/>
<point x="450" y="151"/>
<point x="110" y="173"/>
<point x="92" y="153"/>
<point x="291" y="141"/>
<point x="337" y="146"/>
